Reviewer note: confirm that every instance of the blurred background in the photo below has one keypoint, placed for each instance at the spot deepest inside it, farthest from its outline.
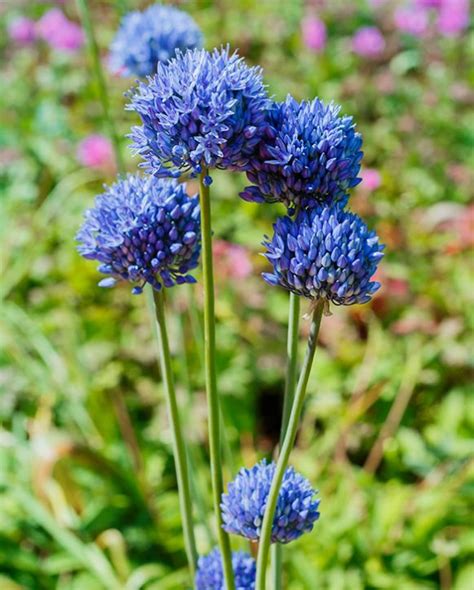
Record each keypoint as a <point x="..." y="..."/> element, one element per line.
<point x="87" y="487"/>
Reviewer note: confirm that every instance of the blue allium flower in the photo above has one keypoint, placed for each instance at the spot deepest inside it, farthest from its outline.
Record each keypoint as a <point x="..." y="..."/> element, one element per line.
<point x="309" y="154"/>
<point x="201" y="110"/>
<point x="148" y="37"/>
<point x="143" y="230"/>
<point x="324" y="253"/>
<point x="243" y="507"/>
<point x="210" y="576"/>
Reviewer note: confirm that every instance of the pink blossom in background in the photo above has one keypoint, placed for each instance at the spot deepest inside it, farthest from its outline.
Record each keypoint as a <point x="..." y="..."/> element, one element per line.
<point x="368" y="42"/>
<point x="50" y="22"/>
<point x="232" y="260"/>
<point x="371" y="179"/>
<point x="453" y="17"/>
<point x="96" y="151"/>
<point x="428" y="3"/>
<point x="412" y="20"/>
<point x="59" y="32"/>
<point x="22" y="30"/>
<point x="314" y="33"/>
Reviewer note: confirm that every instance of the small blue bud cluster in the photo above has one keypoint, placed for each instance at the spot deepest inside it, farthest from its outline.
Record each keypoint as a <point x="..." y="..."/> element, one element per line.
<point x="143" y="230"/>
<point x="152" y="36"/>
<point x="200" y="110"/>
<point x="243" y="507"/>
<point x="210" y="576"/>
<point x="324" y="253"/>
<point x="308" y="155"/>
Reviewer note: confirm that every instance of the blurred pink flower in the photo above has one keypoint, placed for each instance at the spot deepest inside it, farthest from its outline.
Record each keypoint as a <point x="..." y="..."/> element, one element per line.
<point x="314" y="33"/>
<point x="232" y="260"/>
<point x="428" y="3"/>
<point x="453" y="17"/>
<point x="59" y="32"/>
<point x="412" y="20"/>
<point x="371" y="179"/>
<point x="22" y="30"/>
<point x="368" y="42"/>
<point x="96" y="151"/>
<point x="50" y="23"/>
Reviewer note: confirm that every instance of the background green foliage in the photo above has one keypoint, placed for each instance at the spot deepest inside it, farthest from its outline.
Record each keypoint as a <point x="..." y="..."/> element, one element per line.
<point x="87" y="489"/>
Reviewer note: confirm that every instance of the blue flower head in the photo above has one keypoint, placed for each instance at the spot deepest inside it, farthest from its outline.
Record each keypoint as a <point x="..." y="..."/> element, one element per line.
<point x="143" y="230"/>
<point x="324" y="253"/>
<point x="243" y="507"/>
<point x="210" y="576"/>
<point x="152" y="36"/>
<point x="200" y="110"/>
<point x="309" y="155"/>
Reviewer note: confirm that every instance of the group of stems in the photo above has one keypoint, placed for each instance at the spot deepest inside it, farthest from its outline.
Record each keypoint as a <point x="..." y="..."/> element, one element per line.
<point x="290" y="384"/>
<point x="293" y="398"/>
<point x="286" y="447"/>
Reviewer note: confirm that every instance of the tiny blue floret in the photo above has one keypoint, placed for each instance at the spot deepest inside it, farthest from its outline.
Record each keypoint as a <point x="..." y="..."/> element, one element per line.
<point x="152" y="36"/>
<point x="143" y="230"/>
<point x="210" y="576"/>
<point x="201" y="110"/>
<point x="324" y="253"/>
<point x="243" y="507"/>
<point x="309" y="155"/>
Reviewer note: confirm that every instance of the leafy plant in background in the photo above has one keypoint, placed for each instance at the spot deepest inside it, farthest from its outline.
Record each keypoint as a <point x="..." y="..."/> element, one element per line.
<point x="291" y="258"/>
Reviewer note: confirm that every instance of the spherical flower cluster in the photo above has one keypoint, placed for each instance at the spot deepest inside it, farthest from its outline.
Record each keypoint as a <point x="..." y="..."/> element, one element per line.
<point x="324" y="253"/>
<point x="143" y="230"/>
<point x="243" y="507"/>
<point x="309" y="154"/>
<point x="210" y="576"/>
<point x="148" y="37"/>
<point x="200" y="110"/>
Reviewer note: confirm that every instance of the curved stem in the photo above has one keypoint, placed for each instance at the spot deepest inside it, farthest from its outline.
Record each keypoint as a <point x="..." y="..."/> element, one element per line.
<point x="290" y="385"/>
<point x="179" y="449"/>
<point x="288" y="441"/>
<point x="84" y="13"/>
<point x="211" y="381"/>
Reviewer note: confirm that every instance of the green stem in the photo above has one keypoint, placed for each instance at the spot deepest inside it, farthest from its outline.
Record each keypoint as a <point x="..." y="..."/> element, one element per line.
<point x="179" y="449"/>
<point x="211" y="381"/>
<point x="288" y="442"/>
<point x="290" y="385"/>
<point x="86" y="20"/>
<point x="291" y="361"/>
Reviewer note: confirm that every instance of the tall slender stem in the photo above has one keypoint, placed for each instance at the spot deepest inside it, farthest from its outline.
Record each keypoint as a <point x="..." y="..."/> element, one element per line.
<point x="179" y="449"/>
<point x="290" y="385"/>
<point x="291" y="361"/>
<point x="84" y="13"/>
<point x="211" y="381"/>
<point x="288" y="441"/>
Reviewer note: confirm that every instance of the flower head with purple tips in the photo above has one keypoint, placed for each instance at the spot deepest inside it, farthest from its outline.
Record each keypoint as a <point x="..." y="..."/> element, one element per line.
<point x="210" y="576"/>
<point x="324" y="253"/>
<point x="243" y="507"/>
<point x="309" y="154"/>
<point x="200" y="110"/>
<point x="148" y="37"/>
<point x="143" y="230"/>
